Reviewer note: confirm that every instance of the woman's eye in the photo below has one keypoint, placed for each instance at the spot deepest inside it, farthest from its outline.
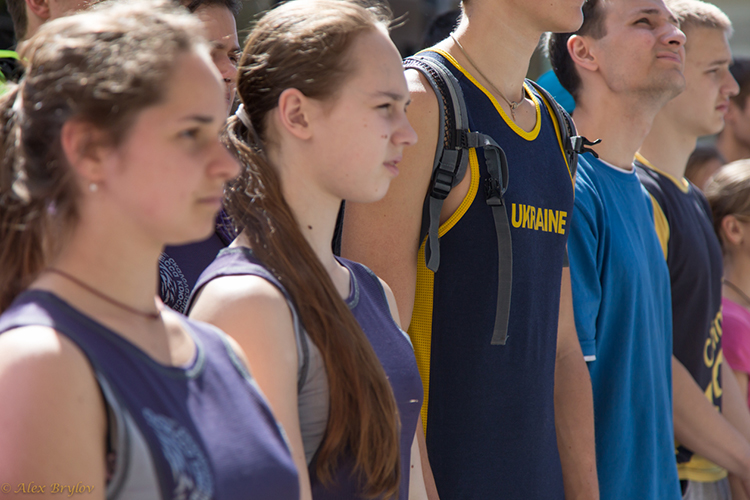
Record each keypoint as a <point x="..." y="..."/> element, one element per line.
<point x="190" y="133"/>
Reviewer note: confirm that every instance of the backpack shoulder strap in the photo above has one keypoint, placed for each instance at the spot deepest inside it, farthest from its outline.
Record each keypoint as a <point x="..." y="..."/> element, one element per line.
<point x="451" y="160"/>
<point x="573" y="144"/>
<point x="449" y="167"/>
<point x="567" y="127"/>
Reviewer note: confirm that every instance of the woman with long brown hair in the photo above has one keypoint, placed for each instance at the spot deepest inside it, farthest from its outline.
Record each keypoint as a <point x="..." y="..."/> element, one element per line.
<point x="109" y="149"/>
<point x="323" y="120"/>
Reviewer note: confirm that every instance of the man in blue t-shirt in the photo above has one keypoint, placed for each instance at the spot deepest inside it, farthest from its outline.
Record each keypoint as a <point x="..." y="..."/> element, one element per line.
<point x="621" y="67"/>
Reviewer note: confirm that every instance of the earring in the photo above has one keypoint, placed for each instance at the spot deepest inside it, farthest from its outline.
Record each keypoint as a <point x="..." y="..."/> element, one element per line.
<point x="93" y="187"/>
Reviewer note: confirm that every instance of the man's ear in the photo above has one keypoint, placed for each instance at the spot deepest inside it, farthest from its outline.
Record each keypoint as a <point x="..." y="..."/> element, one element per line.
<point x="294" y="113"/>
<point x="39" y="8"/>
<point x="579" y="48"/>
<point x="86" y="148"/>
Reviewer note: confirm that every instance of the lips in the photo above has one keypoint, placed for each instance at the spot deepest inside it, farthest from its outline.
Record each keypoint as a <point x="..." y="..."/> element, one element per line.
<point x="392" y="166"/>
<point x="215" y="200"/>
<point x="670" y="56"/>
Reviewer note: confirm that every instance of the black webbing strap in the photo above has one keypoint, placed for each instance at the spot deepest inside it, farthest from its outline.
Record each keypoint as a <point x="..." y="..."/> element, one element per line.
<point x="495" y="186"/>
<point x="449" y="168"/>
<point x="451" y="158"/>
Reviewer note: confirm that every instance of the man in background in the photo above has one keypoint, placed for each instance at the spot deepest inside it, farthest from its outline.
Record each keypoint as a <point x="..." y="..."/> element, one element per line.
<point x="734" y="141"/>
<point x="710" y="442"/>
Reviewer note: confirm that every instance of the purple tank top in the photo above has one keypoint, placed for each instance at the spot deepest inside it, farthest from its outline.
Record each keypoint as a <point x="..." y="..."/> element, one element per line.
<point x="392" y="346"/>
<point x="208" y="432"/>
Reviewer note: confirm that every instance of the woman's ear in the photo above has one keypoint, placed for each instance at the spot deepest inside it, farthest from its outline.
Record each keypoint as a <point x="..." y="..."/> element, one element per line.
<point x="579" y="48"/>
<point x="85" y="147"/>
<point x="733" y="231"/>
<point x="294" y="112"/>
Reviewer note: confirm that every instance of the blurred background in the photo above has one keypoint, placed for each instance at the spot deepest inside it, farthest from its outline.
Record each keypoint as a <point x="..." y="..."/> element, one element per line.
<point x="418" y="15"/>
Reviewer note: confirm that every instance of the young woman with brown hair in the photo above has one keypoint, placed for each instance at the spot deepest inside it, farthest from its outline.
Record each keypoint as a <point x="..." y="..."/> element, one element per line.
<point x="728" y="193"/>
<point x="323" y="119"/>
<point x="109" y="149"/>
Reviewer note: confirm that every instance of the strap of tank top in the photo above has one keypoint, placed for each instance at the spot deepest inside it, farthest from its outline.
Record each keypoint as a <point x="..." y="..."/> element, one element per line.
<point x="229" y="263"/>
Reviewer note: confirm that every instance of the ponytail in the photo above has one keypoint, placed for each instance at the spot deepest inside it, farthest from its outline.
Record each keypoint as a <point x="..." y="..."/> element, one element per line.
<point x="21" y="254"/>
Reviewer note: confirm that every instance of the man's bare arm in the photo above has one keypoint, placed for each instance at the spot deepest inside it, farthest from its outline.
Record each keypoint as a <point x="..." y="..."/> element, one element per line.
<point x="385" y="235"/>
<point x="574" y="407"/>
<point x="734" y="408"/>
<point x="702" y="429"/>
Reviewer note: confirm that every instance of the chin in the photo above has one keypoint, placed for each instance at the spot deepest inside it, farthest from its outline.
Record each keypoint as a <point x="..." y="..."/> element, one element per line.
<point x="566" y="23"/>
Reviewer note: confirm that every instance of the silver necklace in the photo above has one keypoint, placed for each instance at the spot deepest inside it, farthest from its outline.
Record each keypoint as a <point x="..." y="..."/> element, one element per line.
<point x="512" y="104"/>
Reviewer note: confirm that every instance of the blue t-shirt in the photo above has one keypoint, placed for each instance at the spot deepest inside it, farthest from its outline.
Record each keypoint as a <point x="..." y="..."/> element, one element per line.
<point x="622" y="303"/>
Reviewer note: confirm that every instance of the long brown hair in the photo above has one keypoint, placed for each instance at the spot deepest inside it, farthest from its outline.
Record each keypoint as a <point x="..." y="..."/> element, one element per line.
<point x="101" y="67"/>
<point x="304" y="44"/>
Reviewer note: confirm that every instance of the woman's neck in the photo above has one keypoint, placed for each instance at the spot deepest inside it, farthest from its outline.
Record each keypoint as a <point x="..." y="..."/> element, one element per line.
<point x="123" y="268"/>
<point x="737" y="273"/>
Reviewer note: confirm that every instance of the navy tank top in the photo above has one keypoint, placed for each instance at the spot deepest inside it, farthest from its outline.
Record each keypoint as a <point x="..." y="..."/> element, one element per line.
<point x="392" y="346"/>
<point x="201" y="432"/>
<point x="490" y="418"/>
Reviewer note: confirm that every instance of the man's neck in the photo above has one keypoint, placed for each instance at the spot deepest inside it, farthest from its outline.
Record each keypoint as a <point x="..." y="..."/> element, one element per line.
<point x="498" y="43"/>
<point x="731" y="148"/>
<point x="622" y="123"/>
<point x="668" y="147"/>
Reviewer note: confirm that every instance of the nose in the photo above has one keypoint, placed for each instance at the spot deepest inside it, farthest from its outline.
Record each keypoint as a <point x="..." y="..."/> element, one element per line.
<point x="404" y="135"/>
<point x="226" y="68"/>
<point x="223" y="164"/>
<point x="674" y="36"/>
<point x="731" y="85"/>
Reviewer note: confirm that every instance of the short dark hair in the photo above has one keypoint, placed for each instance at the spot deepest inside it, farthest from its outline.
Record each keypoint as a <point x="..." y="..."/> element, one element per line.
<point x="234" y="6"/>
<point x="442" y="26"/>
<point x="17" y="11"/>
<point x="740" y="70"/>
<point x="557" y="46"/>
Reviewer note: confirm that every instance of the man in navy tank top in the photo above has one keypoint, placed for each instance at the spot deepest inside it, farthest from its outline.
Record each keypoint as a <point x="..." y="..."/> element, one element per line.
<point x="706" y="395"/>
<point x="494" y="416"/>
<point x="621" y="67"/>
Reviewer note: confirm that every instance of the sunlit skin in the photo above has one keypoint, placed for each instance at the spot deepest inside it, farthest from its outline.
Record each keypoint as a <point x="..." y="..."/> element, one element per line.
<point x="359" y="137"/>
<point x="168" y="175"/>
<point x="643" y="49"/>
<point x="221" y="32"/>
<point x="701" y="107"/>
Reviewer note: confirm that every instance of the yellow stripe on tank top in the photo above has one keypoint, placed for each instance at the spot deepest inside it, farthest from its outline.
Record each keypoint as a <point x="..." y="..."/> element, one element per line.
<point x="420" y="329"/>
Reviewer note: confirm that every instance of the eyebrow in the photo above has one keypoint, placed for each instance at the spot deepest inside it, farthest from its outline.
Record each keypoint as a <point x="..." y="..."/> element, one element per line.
<point x="393" y="95"/>
<point x="222" y="45"/>
<point x="720" y="62"/>
<point x="198" y="118"/>
<point x="657" y="12"/>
